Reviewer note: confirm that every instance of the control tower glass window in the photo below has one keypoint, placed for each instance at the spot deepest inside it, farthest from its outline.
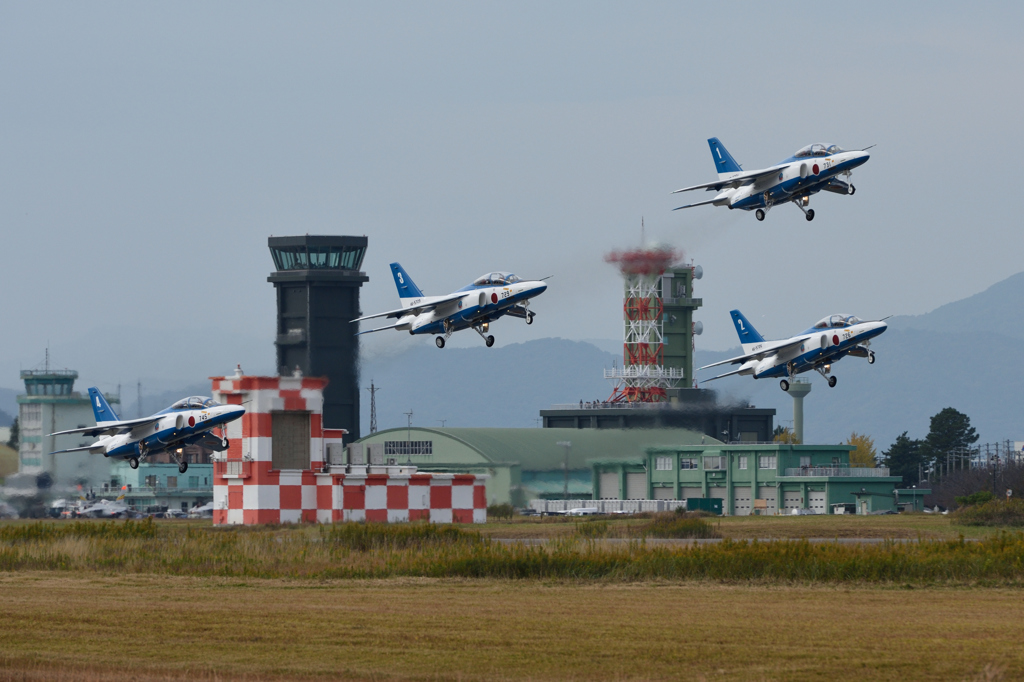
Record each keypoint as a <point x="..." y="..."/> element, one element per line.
<point x="317" y="257"/>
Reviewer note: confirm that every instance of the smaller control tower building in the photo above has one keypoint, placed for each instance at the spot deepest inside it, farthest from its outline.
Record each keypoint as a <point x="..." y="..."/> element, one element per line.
<point x="317" y="282"/>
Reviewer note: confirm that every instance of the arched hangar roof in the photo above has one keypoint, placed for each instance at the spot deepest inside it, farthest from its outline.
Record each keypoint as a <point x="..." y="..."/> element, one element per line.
<point x="538" y="449"/>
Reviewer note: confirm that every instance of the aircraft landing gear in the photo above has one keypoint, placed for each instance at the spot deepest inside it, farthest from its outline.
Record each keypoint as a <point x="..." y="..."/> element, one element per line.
<point x="182" y="467"/>
<point x="481" y="330"/>
<point x="832" y="382"/>
<point x="439" y="342"/>
<point x="133" y="462"/>
<point x="529" y="318"/>
<point x="871" y="357"/>
<point x="851" y="190"/>
<point x="759" y="214"/>
<point x="784" y="385"/>
<point x="808" y="212"/>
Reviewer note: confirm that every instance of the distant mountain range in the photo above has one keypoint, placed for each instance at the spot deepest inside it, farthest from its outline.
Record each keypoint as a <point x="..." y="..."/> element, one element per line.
<point x="961" y="355"/>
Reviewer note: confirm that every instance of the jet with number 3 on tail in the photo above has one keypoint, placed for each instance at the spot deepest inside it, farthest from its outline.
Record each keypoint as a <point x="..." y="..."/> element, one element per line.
<point x="815" y="168"/>
<point x="817" y="349"/>
<point x="474" y="306"/>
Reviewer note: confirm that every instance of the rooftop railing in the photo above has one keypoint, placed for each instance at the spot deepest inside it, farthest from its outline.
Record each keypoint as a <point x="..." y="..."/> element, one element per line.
<point x="851" y="472"/>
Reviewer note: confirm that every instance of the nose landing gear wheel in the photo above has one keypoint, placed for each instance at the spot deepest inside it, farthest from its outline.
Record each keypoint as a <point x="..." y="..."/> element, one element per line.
<point x="759" y="214"/>
<point x="871" y="358"/>
<point x="183" y="467"/>
<point x="832" y="382"/>
<point x="810" y="214"/>
<point x="784" y="385"/>
<point x="490" y="341"/>
<point x="133" y="462"/>
<point x="439" y="342"/>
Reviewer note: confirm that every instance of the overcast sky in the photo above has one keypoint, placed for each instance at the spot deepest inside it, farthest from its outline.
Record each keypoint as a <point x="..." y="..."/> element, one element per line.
<point x="147" y="151"/>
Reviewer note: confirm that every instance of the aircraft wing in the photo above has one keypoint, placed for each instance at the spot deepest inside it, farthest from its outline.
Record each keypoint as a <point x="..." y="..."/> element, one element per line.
<point x="771" y="348"/>
<point x="699" y="203"/>
<point x="110" y="427"/>
<point x="428" y="304"/>
<point x="87" y="448"/>
<point x="379" y="329"/>
<point x="734" y="181"/>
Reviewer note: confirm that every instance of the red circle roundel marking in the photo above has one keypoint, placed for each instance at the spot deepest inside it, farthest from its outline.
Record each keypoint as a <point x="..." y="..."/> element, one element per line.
<point x="815" y="168"/>
<point x="494" y="298"/>
<point x="835" y="340"/>
<point x="191" y="421"/>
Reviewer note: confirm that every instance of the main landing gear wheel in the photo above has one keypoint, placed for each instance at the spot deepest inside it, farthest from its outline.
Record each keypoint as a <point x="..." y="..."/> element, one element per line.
<point x="133" y="462"/>
<point x="182" y="467"/>
<point x="529" y="318"/>
<point x="851" y="190"/>
<point x="784" y="385"/>
<point x="439" y="341"/>
<point x="759" y="214"/>
<point x="225" y="443"/>
<point x="810" y="214"/>
<point x="832" y="382"/>
<point x="871" y="358"/>
<point x="489" y="341"/>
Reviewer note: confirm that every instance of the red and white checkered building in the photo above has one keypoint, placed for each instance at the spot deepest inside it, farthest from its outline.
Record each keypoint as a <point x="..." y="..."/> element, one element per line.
<point x="311" y="478"/>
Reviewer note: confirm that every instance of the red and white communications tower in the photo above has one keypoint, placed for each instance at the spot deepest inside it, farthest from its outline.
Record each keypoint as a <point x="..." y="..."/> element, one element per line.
<point x="658" y="329"/>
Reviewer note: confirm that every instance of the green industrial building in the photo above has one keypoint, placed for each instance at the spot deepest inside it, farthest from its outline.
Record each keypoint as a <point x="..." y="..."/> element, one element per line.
<point x="523" y="464"/>
<point x="752" y="478"/>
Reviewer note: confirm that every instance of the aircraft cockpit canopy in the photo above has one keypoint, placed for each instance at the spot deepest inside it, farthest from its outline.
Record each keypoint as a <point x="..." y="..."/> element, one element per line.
<point x="818" y="150"/>
<point x="493" y="279"/>
<point x="195" y="402"/>
<point x="837" y="322"/>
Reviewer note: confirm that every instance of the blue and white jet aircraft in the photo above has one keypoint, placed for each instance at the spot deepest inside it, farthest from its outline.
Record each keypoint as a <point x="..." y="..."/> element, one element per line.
<point x="475" y="306"/>
<point x="185" y="422"/>
<point x="828" y="341"/>
<point x="810" y="170"/>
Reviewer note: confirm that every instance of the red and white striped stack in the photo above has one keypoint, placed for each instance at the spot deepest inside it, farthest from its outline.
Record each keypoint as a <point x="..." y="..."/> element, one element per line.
<point x="247" y="489"/>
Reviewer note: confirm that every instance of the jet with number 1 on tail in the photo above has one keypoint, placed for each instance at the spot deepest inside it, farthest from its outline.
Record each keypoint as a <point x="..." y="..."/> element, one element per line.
<point x="831" y="339"/>
<point x="474" y="306"/>
<point x="815" y="168"/>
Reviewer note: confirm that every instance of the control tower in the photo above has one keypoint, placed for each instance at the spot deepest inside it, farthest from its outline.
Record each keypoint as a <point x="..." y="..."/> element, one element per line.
<point x="317" y="282"/>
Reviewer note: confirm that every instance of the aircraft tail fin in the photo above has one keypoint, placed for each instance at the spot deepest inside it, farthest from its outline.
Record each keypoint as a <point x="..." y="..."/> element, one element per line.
<point x="406" y="287"/>
<point x="100" y="408"/>
<point x="724" y="163"/>
<point x="746" y="331"/>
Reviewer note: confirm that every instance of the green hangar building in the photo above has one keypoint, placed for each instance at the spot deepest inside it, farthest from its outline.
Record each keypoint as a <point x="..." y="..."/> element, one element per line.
<point x="523" y="464"/>
<point x="763" y="478"/>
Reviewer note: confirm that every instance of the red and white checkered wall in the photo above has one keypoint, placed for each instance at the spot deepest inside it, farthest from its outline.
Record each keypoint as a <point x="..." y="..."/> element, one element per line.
<point x="247" y="490"/>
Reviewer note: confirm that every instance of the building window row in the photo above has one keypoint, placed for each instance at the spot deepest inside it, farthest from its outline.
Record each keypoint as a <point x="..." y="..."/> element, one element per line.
<point x="688" y="463"/>
<point x="408" y="447"/>
<point x="766" y="462"/>
<point x="714" y="463"/>
<point x="663" y="464"/>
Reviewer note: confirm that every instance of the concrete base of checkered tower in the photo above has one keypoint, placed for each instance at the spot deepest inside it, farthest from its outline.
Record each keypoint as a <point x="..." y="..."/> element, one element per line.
<point x="283" y="466"/>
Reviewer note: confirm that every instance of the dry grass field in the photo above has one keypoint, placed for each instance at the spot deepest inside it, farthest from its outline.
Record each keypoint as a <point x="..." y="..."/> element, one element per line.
<point x="143" y="627"/>
<point x="903" y="526"/>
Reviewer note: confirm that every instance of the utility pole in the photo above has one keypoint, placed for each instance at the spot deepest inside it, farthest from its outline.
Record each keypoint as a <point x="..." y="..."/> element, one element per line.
<point x="373" y="407"/>
<point x="567" y="444"/>
<point x="442" y="422"/>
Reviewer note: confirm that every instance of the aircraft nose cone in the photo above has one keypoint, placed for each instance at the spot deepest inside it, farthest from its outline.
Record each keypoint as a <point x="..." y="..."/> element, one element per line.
<point x="540" y="288"/>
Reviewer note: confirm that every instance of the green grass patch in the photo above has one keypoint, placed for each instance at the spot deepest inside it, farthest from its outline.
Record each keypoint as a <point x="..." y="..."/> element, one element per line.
<point x="992" y="513"/>
<point x="358" y="550"/>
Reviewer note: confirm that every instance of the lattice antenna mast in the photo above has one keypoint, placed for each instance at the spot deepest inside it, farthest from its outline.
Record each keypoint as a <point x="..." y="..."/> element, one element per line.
<point x="373" y="407"/>
<point x="643" y="377"/>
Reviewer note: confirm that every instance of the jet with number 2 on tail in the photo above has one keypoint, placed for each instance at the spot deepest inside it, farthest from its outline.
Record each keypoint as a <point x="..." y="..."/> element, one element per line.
<point x="188" y="421"/>
<point x="474" y="306"/>
<point x="810" y="170"/>
<point x="818" y="348"/>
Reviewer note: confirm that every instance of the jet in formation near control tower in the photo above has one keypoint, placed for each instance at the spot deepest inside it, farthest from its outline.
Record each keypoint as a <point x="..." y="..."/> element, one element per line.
<point x="474" y="306"/>
<point x="810" y="170"/>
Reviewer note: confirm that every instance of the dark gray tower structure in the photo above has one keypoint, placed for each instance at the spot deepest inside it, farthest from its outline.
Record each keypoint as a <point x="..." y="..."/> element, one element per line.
<point x="317" y="283"/>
